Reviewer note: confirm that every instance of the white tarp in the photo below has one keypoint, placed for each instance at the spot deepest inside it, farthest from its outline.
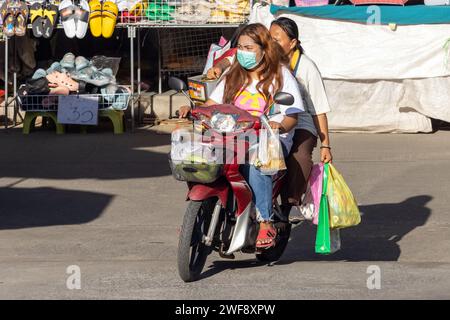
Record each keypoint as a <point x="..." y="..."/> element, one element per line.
<point x="347" y="50"/>
<point x="377" y="80"/>
<point x="379" y="106"/>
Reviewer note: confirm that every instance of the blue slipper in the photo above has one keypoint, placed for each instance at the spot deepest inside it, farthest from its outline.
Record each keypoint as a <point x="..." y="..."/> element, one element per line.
<point x="56" y="66"/>
<point x="38" y="74"/>
<point x="68" y="61"/>
<point x="122" y="99"/>
<point x="81" y="63"/>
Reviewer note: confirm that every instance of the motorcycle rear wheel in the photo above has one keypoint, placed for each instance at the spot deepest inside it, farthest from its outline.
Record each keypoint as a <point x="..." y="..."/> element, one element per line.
<point x="192" y="252"/>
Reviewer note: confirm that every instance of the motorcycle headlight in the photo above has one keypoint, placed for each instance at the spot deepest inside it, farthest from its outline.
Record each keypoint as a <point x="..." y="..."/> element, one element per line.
<point x="223" y="122"/>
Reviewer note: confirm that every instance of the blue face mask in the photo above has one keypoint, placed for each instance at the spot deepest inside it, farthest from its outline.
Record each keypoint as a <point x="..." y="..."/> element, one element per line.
<point x="247" y="59"/>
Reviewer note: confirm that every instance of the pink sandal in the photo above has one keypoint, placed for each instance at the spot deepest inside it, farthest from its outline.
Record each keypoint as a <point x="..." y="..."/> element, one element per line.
<point x="63" y="80"/>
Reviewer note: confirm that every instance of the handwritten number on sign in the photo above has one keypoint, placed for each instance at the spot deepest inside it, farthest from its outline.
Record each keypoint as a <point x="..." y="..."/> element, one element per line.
<point x="87" y="116"/>
<point x="76" y="115"/>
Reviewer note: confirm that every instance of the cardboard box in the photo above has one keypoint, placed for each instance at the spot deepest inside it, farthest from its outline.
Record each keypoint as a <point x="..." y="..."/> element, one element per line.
<point x="200" y="88"/>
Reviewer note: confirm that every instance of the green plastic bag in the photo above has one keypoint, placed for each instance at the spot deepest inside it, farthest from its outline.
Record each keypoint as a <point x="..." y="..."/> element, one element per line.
<point x="327" y="241"/>
<point x="342" y="205"/>
<point x="323" y="244"/>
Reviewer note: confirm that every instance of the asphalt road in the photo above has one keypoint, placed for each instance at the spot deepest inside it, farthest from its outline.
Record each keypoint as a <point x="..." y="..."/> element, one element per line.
<point x="108" y="205"/>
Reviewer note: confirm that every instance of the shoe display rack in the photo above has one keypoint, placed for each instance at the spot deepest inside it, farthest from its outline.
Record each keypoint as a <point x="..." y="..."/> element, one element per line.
<point x="161" y="15"/>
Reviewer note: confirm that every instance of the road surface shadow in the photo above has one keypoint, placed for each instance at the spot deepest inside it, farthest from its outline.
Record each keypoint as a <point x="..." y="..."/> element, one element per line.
<point x="376" y="238"/>
<point x="41" y="207"/>
<point x="219" y="266"/>
<point x="103" y="156"/>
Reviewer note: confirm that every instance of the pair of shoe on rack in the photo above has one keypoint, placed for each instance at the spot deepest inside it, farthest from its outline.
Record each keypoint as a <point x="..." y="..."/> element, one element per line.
<point x="53" y="81"/>
<point x="75" y="17"/>
<point x="81" y="69"/>
<point x="43" y="18"/>
<point x="14" y="16"/>
<point x="103" y="19"/>
<point x="195" y="12"/>
<point x="115" y="97"/>
<point x="160" y="11"/>
<point x="132" y="11"/>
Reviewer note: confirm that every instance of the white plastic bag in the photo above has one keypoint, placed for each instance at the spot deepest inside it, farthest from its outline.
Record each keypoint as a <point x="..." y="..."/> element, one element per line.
<point x="307" y="207"/>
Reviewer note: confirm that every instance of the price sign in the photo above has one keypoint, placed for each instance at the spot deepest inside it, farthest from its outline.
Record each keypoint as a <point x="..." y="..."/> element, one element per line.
<point x="78" y="110"/>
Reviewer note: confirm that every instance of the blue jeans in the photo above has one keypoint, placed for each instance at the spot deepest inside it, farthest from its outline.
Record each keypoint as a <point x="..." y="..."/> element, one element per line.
<point x="261" y="186"/>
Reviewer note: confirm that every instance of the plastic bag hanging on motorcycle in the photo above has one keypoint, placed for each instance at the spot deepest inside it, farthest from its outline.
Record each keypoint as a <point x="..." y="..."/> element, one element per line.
<point x="270" y="158"/>
<point x="192" y="160"/>
<point x="343" y="208"/>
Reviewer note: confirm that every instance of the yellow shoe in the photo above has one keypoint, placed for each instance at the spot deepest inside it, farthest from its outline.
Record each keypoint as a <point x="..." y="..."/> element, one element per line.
<point x="95" y="18"/>
<point x="110" y="12"/>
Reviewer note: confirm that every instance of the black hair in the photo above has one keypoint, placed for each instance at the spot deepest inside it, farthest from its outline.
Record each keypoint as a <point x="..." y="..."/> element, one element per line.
<point x="290" y="28"/>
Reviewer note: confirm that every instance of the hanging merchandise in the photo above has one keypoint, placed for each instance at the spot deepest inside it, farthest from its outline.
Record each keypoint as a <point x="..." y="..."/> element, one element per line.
<point x="109" y="18"/>
<point x="14" y="16"/>
<point x="67" y="13"/>
<point x="75" y="17"/>
<point x="160" y="11"/>
<point x="132" y="11"/>
<point x="95" y="19"/>
<point x="230" y="11"/>
<point x="82" y="12"/>
<point x="193" y="12"/>
<point x="37" y="19"/>
<point x="43" y="18"/>
<point x="103" y="18"/>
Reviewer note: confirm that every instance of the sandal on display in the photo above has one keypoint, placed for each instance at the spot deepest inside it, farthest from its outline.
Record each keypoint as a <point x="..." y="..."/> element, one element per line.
<point x="21" y="19"/>
<point x="81" y="63"/>
<point x="134" y="12"/>
<point x="67" y="13"/>
<point x="56" y="66"/>
<point x="92" y="76"/>
<point x="50" y="19"/>
<point x="109" y="18"/>
<point x="8" y="12"/>
<point x="68" y="61"/>
<point x="95" y="18"/>
<point x="36" y="19"/>
<point x="82" y="18"/>
<point x="38" y="74"/>
<point x="62" y="80"/>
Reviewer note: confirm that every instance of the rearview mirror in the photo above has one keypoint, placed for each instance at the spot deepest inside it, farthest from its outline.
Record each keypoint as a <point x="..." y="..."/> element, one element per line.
<point x="284" y="98"/>
<point x="177" y="84"/>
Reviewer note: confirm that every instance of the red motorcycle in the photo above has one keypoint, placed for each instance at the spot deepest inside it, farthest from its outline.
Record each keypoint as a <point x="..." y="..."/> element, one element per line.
<point x="221" y="215"/>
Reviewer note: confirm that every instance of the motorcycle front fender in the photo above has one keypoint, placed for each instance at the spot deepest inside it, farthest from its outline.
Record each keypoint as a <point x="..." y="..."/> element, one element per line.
<point x="199" y="192"/>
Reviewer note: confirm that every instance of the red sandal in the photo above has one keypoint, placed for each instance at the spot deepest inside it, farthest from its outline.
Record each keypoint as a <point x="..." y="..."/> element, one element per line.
<point x="265" y="234"/>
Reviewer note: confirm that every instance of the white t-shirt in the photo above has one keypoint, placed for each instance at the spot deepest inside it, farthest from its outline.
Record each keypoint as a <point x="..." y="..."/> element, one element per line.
<point x="313" y="93"/>
<point x="253" y="101"/>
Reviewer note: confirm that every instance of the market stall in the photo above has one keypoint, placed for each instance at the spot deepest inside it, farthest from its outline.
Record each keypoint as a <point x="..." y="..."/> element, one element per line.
<point x="385" y="68"/>
<point x="77" y="18"/>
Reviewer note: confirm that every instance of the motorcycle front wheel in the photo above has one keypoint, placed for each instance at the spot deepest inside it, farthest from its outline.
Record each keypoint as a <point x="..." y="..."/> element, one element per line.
<point x="192" y="252"/>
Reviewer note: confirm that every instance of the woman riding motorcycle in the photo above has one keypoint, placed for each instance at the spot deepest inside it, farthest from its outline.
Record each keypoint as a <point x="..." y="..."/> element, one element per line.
<point x="312" y="123"/>
<point x="256" y="75"/>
